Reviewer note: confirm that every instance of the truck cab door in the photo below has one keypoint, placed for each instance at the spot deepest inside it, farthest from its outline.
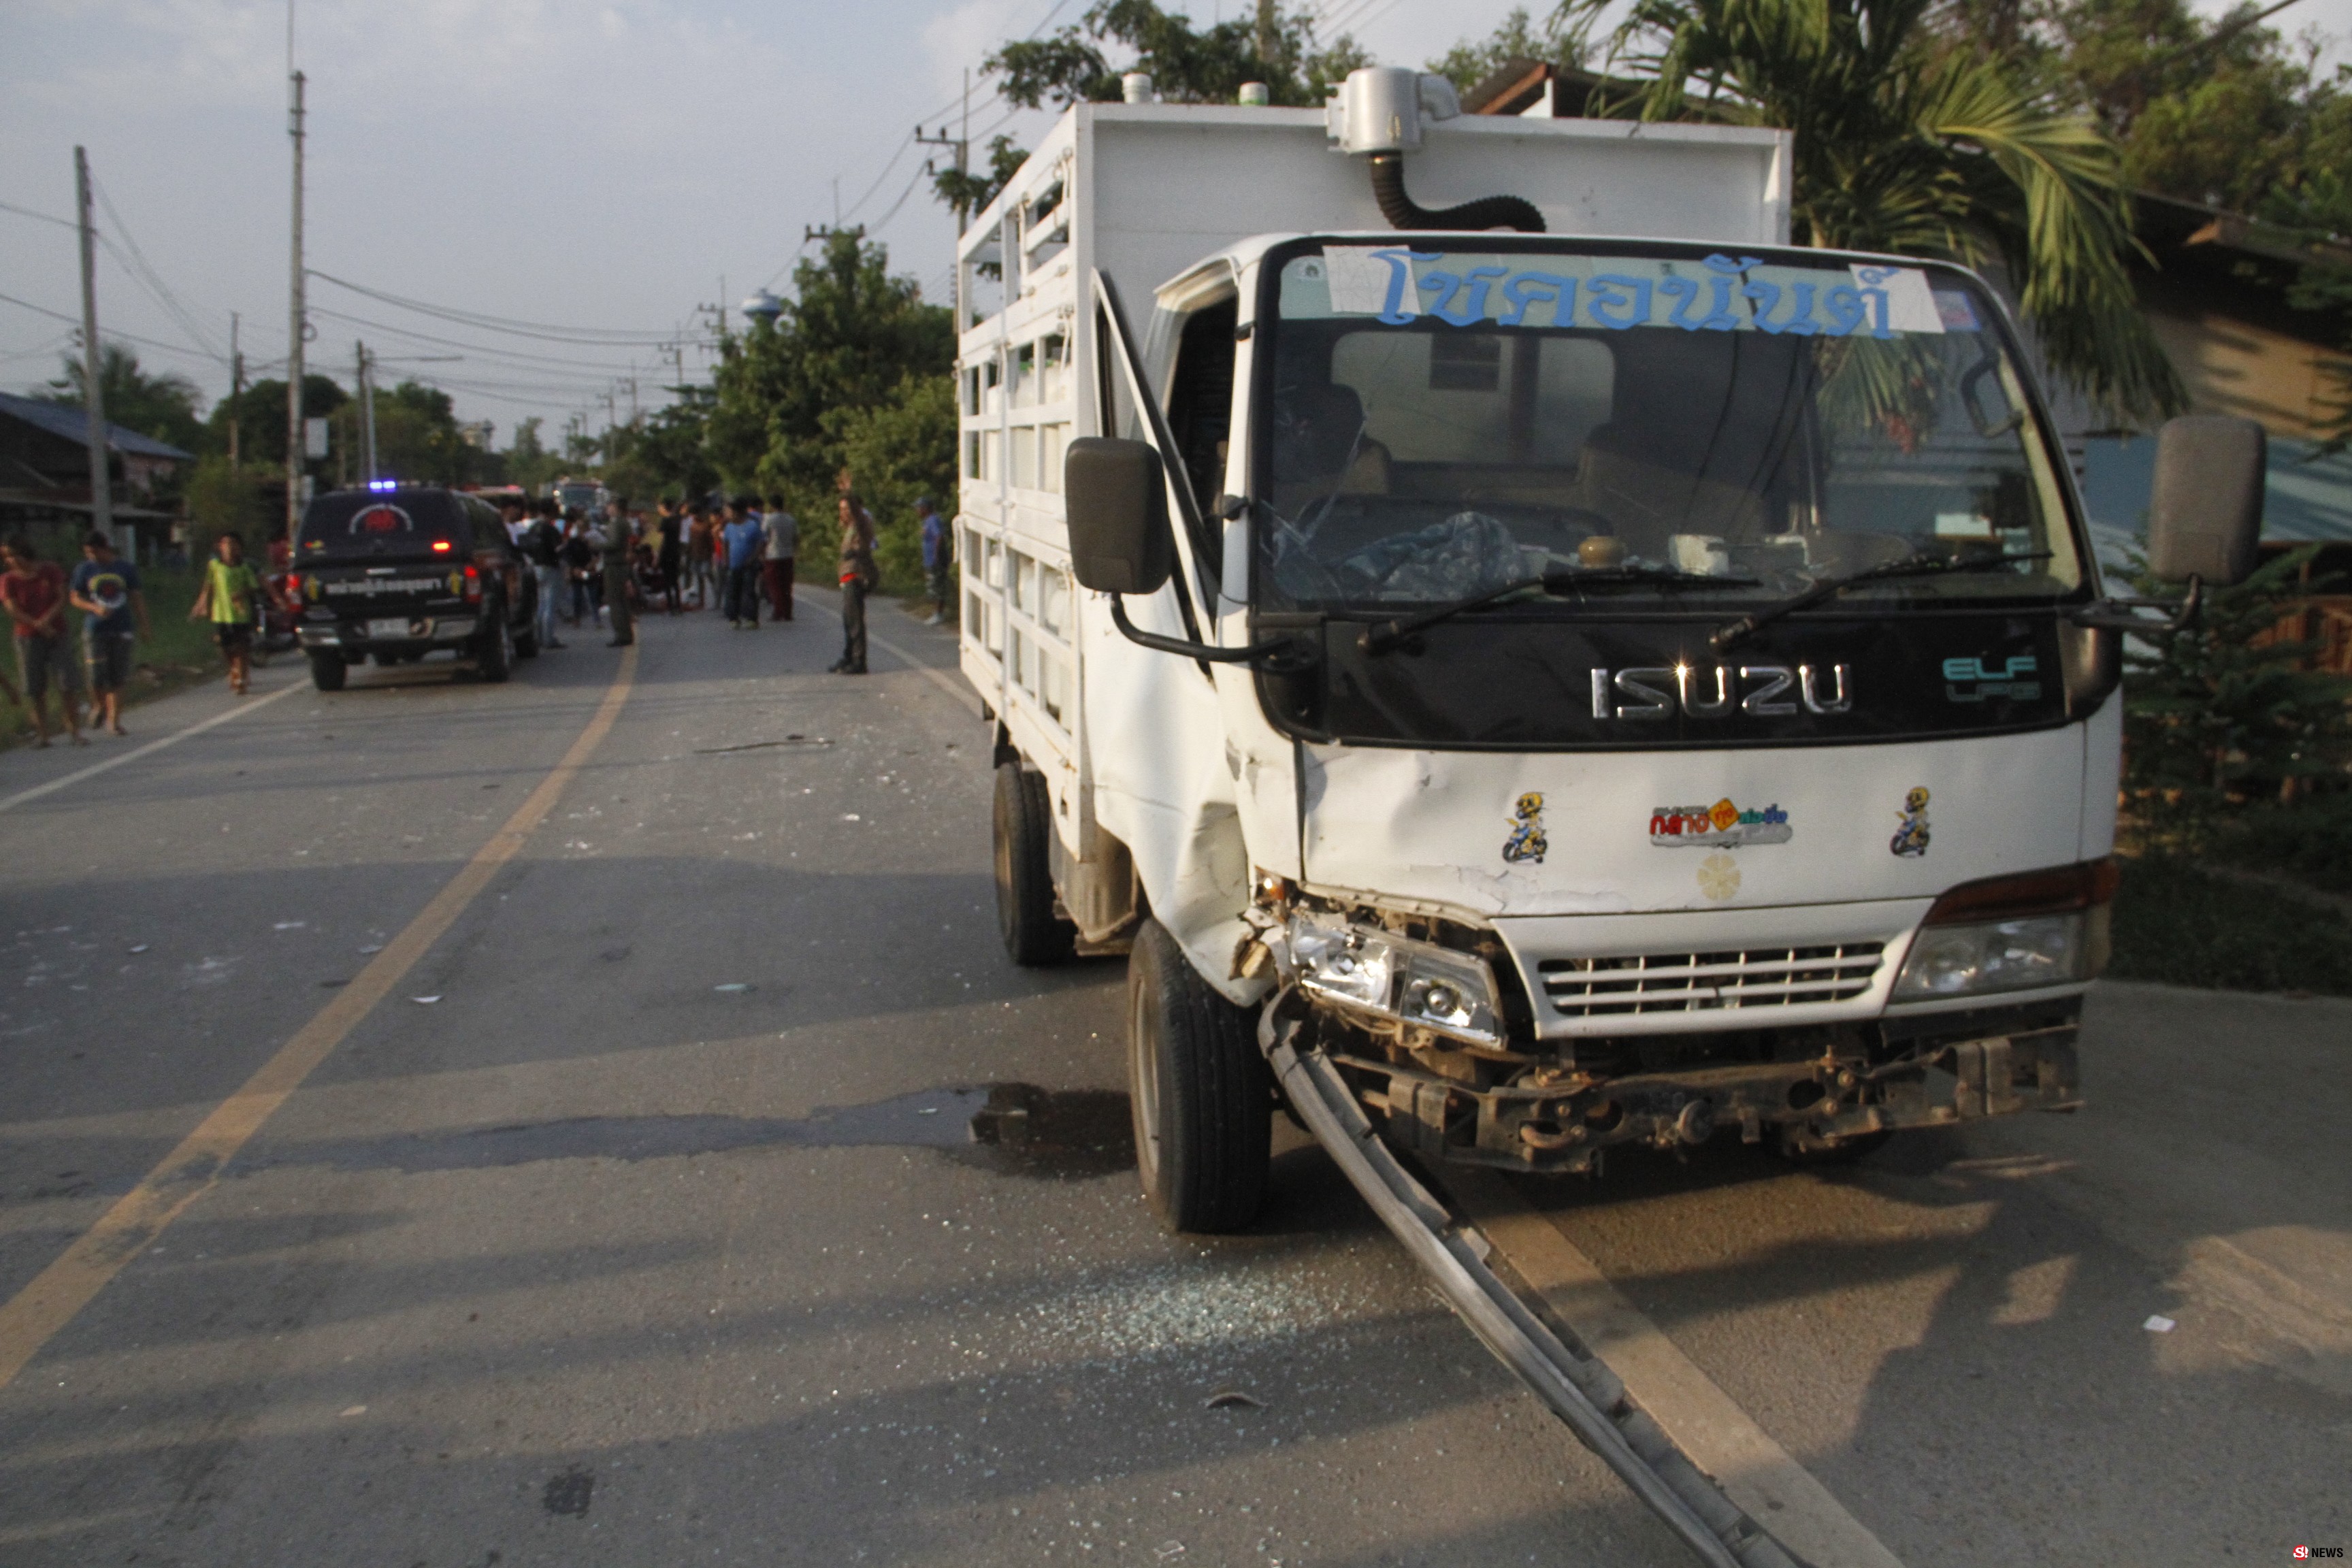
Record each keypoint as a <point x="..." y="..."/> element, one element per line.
<point x="1204" y="408"/>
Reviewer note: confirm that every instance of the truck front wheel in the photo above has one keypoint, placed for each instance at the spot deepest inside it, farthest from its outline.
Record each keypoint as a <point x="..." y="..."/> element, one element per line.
<point x="1033" y="934"/>
<point x="1203" y="1107"/>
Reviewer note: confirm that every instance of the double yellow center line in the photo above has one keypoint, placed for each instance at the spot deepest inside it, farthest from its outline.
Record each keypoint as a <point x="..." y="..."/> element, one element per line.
<point x="33" y="1317"/>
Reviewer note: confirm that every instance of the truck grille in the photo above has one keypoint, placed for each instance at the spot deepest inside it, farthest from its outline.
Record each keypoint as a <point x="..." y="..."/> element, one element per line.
<point x="1696" y="981"/>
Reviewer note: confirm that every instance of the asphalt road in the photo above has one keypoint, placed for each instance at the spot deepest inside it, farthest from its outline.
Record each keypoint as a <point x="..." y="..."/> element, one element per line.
<point x="660" y="1233"/>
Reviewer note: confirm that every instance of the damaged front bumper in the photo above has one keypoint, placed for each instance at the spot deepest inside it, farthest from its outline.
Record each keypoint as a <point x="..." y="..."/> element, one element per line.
<point x="1433" y="1035"/>
<point x="1832" y="1087"/>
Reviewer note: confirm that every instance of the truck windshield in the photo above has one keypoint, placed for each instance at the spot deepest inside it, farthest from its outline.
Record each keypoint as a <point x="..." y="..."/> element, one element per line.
<point x="1435" y="424"/>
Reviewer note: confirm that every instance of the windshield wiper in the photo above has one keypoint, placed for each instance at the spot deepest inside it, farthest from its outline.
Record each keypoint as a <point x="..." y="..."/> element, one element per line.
<point x="1909" y="566"/>
<point x="1560" y="582"/>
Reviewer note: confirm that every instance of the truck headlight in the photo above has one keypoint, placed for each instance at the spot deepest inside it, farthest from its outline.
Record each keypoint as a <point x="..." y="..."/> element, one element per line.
<point x="1418" y="982"/>
<point x="2011" y="934"/>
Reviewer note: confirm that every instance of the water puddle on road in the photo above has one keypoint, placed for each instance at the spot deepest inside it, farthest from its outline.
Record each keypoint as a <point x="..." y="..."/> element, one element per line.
<point x="1018" y="1129"/>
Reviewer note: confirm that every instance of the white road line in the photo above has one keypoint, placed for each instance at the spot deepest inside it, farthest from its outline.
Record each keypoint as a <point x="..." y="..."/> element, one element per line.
<point x="12" y="802"/>
<point x="1753" y="1471"/>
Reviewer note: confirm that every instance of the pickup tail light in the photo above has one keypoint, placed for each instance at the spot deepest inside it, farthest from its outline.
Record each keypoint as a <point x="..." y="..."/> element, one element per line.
<point x="473" y="582"/>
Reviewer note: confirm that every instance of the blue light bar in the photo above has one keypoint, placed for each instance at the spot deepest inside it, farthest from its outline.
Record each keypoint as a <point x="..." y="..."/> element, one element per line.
<point x="384" y="484"/>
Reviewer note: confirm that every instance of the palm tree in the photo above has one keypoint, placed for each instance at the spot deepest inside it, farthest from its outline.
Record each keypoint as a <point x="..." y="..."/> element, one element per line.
<point x="1908" y="142"/>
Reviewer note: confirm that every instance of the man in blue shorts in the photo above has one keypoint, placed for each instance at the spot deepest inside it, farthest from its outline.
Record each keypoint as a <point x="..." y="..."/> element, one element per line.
<point x="114" y="614"/>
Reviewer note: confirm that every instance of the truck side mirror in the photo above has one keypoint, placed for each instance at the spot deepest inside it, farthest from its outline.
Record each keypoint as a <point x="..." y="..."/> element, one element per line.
<point x="1116" y="497"/>
<point x="2206" y="511"/>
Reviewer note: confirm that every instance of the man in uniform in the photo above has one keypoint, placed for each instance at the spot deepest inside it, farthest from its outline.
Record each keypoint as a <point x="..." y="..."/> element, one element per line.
<point x="858" y="577"/>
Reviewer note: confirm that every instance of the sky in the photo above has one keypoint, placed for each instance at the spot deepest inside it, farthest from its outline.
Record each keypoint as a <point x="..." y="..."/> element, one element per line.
<point x="604" y="169"/>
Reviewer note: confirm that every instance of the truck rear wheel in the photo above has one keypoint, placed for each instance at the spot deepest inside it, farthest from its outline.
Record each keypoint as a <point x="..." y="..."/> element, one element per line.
<point x="327" y="671"/>
<point x="1197" y="1084"/>
<point x="1034" y="935"/>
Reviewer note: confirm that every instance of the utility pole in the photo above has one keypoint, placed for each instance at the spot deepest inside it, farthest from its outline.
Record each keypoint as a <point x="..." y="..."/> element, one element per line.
<point x="962" y="146"/>
<point x="298" y="326"/>
<point x="1265" y="31"/>
<point x="236" y="389"/>
<point x="93" y="358"/>
<point x="367" y="412"/>
<point x="717" y="314"/>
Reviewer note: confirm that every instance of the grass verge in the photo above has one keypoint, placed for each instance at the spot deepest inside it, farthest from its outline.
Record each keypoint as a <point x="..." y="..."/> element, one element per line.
<point x="2180" y="924"/>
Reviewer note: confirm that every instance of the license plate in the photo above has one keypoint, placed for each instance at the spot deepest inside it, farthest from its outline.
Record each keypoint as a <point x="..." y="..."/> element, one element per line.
<point x="399" y="629"/>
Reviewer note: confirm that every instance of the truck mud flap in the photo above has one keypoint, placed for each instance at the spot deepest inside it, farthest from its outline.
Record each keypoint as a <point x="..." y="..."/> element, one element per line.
<point x="1579" y="1388"/>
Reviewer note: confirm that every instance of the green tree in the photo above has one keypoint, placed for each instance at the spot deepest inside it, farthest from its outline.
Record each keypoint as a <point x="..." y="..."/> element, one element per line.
<point x="848" y="336"/>
<point x="666" y="453"/>
<point x="528" y="462"/>
<point x="1188" y="64"/>
<point x="416" y="437"/>
<point x="2215" y="110"/>
<point x="2319" y="209"/>
<point x="1469" y="62"/>
<point x="1906" y="144"/>
<point x="222" y="501"/>
<point x="260" y="413"/>
<point x="162" y="406"/>
<point x="2218" y="718"/>
<point x="897" y="451"/>
<point x="966" y="191"/>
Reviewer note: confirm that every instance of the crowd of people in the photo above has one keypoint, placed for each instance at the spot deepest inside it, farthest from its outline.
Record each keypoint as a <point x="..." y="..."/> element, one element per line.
<point x="740" y="557"/>
<point x="593" y="571"/>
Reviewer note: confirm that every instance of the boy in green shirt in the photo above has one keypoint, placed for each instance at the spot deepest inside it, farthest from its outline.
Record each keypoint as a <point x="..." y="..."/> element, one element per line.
<point x="226" y="600"/>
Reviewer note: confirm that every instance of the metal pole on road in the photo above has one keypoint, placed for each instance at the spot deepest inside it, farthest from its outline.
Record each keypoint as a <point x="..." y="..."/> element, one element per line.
<point x="298" y="325"/>
<point x="93" y="358"/>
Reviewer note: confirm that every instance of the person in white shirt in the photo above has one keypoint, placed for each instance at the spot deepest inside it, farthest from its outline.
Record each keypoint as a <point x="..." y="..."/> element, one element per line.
<point x="781" y="532"/>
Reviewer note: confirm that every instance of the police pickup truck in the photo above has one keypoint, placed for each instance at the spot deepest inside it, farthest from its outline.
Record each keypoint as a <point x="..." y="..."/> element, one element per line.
<point x="408" y="571"/>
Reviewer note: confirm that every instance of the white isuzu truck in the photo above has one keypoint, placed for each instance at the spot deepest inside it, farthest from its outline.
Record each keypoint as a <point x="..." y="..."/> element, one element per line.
<point x="1562" y="670"/>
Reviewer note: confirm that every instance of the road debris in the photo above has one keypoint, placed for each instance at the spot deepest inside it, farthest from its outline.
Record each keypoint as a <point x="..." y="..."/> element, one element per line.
<point x="424" y="1001"/>
<point x="1230" y="1398"/>
<point x="2157" y="1324"/>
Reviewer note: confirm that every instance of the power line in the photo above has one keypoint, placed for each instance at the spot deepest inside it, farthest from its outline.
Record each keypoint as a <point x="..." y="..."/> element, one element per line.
<point x="519" y="355"/>
<point x="587" y="337"/>
<point x="75" y="321"/>
<point x="884" y="221"/>
<point x="941" y="112"/>
<point x="45" y="217"/>
<point x="38" y="351"/>
<point x="168" y="300"/>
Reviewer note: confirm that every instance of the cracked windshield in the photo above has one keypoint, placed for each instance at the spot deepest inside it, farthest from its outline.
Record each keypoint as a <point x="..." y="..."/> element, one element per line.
<point x="1660" y="425"/>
